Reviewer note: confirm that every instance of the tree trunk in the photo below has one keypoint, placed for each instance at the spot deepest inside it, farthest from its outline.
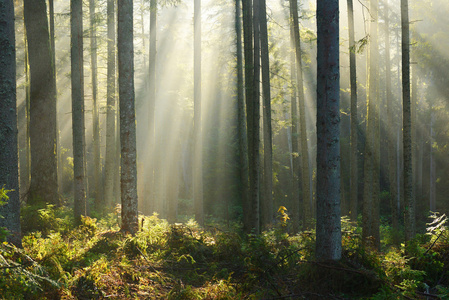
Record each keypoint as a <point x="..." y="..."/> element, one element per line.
<point x="328" y="228"/>
<point x="110" y="158"/>
<point x="266" y="204"/>
<point x="197" y="152"/>
<point x="433" y="178"/>
<point x="44" y="182"/>
<point x="128" y="180"/>
<point x="9" y="160"/>
<point x="390" y="126"/>
<point x="295" y="209"/>
<point x="53" y="57"/>
<point x="77" y="76"/>
<point x="354" y="166"/>
<point x="243" y="146"/>
<point x="152" y="102"/>
<point x="409" y="203"/>
<point x="95" y="117"/>
<point x="305" y="165"/>
<point x="251" y="208"/>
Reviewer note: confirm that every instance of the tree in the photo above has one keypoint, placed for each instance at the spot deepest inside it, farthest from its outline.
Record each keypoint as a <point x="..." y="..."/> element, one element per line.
<point x="266" y="204"/>
<point x="197" y="152"/>
<point x="409" y="203"/>
<point x="390" y="142"/>
<point x="44" y="181"/>
<point x="95" y="117"/>
<point x="251" y="208"/>
<point x="354" y="168"/>
<point x="9" y="161"/>
<point x="372" y="154"/>
<point x="241" y="127"/>
<point x="152" y="102"/>
<point x="306" y="182"/>
<point x="328" y="228"/>
<point x="77" y="76"/>
<point x="128" y="180"/>
<point x="110" y="159"/>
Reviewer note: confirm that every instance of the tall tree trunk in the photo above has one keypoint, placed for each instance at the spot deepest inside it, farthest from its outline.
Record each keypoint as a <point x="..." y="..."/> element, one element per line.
<point x="198" y="156"/>
<point x="266" y="205"/>
<point x="390" y="126"/>
<point x="243" y="146"/>
<point x="77" y="75"/>
<point x="251" y="208"/>
<point x="44" y="181"/>
<point x="95" y="117"/>
<point x="305" y="164"/>
<point x="409" y="202"/>
<point x="110" y="158"/>
<point x="53" y="58"/>
<point x="152" y="102"/>
<point x="128" y="180"/>
<point x="295" y="214"/>
<point x="354" y="166"/>
<point x="433" y="178"/>
<point x="9" y="160"/>
<point x="328" y="225"/>
<point x="372" y="154"/>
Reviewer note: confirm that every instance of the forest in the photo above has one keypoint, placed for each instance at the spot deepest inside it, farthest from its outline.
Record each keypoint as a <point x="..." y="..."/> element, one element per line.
<point x="224" y="149"/>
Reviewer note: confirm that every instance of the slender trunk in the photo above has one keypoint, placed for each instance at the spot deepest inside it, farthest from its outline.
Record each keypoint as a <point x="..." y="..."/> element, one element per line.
<point x="243" y="146"/>
<point x="198" y="156"/>
<point x="433" y="181"/>
<point x="95" y="122"/>
<point x="328" y="224"/>
<point x="110" y="159"/>
<point x="354" y="168"/>
<point x="266" y="205"/>
<point x="53" y="58"/>
<point x="305" y="165"/>
<point x="152" y="104"/>
<point x="295" y="214"/>
<point x="128" y="180"/>
<point x="409" y="203"/>
<point x="9" y="160"/>
<point x="77" y="75"/>
<point x="390" y="126"/>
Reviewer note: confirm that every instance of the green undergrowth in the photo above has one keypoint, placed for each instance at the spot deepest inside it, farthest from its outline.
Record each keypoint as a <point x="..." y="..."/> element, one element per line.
<point x="186" y="261"/>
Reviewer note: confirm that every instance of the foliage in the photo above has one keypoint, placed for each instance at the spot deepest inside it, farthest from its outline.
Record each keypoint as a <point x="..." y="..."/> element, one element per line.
<point x="186" y="261"/>
<point x="3" y="199"/>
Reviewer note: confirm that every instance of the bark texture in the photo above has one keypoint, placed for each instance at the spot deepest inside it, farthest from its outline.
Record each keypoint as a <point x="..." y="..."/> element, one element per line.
<point x="128" y="180"/>
<point x="44" y="182"/>
<point x="110" y="159"/>
<point x="409" y="202"/>
<point x="266" y="204"/>
<point x="9" y="160"/>
<point x="78" y="108"/>
<point x="328" y="225"/>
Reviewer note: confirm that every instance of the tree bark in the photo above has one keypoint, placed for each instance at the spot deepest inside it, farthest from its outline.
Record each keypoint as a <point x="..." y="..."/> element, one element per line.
<point x="354" y="166"/>
<point x="95" y="117"/>
<point x="110" y="158"/>
<point x="44" y="182"/>
<point x="409" y="202"/>
<point x="390" y="126"/>
<point x="128" y="180"/>
<point x="328" y="228"/>
<point x="266" y="204"/>
<point x="77" y="77"/>
<point x="9" y="160"/>
<point x="306" y="183"/>
<point x="242" y="137"/>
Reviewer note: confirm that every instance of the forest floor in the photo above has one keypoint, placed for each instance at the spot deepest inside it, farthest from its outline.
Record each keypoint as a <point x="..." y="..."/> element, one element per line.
<point x="186" y="261"/>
